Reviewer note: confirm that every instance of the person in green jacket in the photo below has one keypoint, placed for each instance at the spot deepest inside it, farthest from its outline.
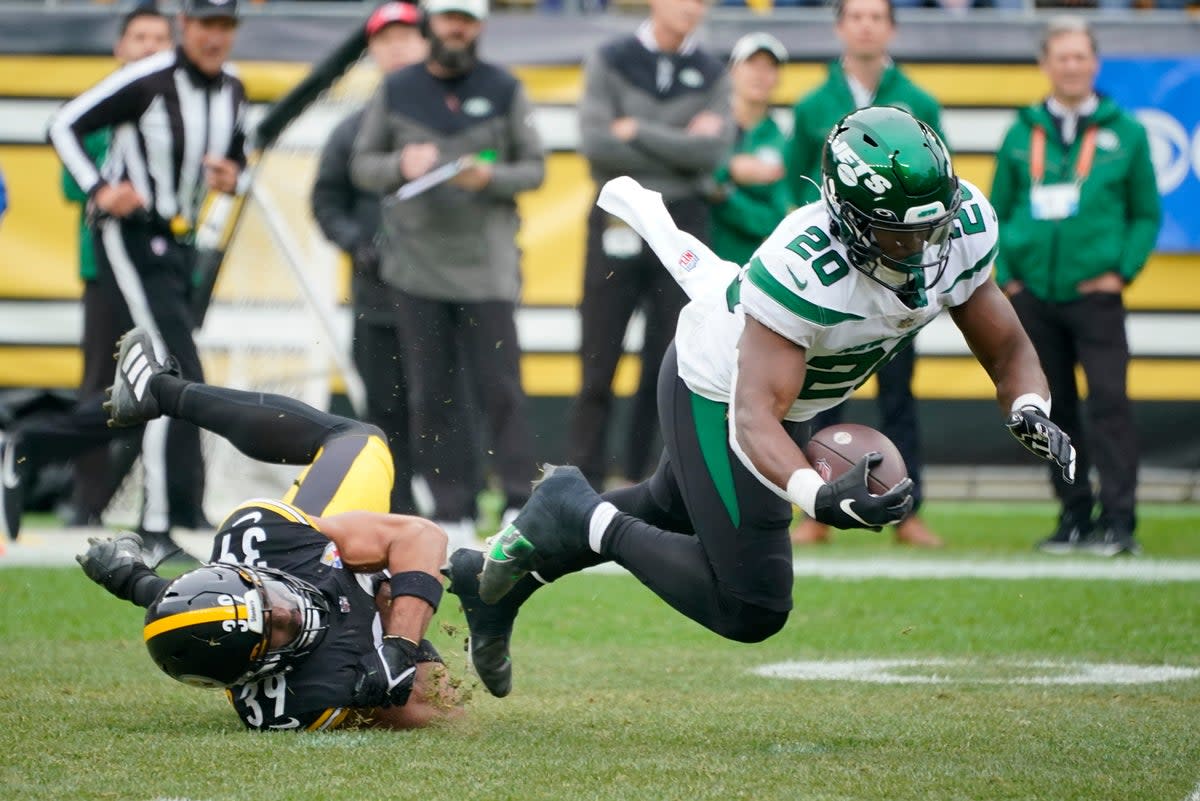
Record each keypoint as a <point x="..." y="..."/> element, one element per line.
<point x="144" y="31"/>
<point x="865" y="75"/>
<point x="1079" y="212"/>
<point x="751" y="193"/>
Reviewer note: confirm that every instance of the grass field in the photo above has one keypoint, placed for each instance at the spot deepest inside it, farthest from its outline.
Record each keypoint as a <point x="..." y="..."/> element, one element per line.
<point x="617" y="697"/>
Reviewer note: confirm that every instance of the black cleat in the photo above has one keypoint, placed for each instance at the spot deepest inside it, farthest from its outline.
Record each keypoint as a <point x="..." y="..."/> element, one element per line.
<point x="14" y="481"/>
<point x="158" y="548"/>
<point x="1067" y="538"/>
<point x="1112" y="542"/>
<point x="130" y="401"/>
<point x="552" y="524"/>
<point x="490" y="626"/>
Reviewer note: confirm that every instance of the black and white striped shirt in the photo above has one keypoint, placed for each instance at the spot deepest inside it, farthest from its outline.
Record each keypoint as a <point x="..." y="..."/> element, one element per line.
<point x="166" y="116"/>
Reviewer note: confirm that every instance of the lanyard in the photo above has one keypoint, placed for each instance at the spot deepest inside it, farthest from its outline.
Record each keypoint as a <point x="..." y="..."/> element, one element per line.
<point x="1037" y="154"/>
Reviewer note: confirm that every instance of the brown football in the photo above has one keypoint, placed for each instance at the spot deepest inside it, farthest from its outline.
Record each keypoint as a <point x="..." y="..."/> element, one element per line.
<point x="832" y="450"/>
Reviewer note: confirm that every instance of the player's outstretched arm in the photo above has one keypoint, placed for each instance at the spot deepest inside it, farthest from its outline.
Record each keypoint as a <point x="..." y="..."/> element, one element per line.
<point x="998" y="340"/>
<point x="412" y="549"/>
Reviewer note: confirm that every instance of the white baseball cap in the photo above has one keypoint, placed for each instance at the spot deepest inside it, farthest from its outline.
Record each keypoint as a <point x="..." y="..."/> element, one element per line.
<point x="472" y="8"/>
<point x="759" y="42"/>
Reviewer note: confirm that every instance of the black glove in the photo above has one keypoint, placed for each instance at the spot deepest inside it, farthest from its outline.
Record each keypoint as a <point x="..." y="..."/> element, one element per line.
<point x="846" y="502"/>
<point x="1043" y="438"/>
<point x="111" y="563"/>
<point x="386" y="675"/>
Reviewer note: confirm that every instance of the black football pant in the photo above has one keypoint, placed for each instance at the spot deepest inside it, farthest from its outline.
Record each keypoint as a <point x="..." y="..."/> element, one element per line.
<point x="153" y="273"/>
<point x="349" y="468"/>
<point x="702" y="532"/>
<point x="897" y="415"/>
<point x="380" y="362"/>
<point x="1089" y="332"/>
<point x="459" y="357"/>
<point x="614" y="285"/>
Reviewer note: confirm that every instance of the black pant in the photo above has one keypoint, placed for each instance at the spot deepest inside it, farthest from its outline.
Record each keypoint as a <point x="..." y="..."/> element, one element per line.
<point x="380" y="362"/>
<point x="897" y="415"/>
<point x="614" y="285"/>
<point x="153" y="274"/>
<point x="702" y="532"/>
<point x="1089" y="332"/>
<point x="445" y="342"/>
<point x="99" y="471"/>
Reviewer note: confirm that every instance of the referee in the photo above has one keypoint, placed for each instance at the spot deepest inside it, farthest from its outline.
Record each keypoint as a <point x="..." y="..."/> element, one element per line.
<point x="176" y="121"/>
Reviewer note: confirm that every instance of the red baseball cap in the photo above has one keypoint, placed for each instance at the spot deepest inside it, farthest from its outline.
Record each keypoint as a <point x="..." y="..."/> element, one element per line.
<point x="389" y="13"/>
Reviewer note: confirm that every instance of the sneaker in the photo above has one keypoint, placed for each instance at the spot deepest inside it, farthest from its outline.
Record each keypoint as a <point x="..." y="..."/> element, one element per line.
<point x="159" y="549"/>
<point x="1067" y="538"/>
<point x="489" y="627"/>
<point x="912" y="531"/>
<point x="1112" y="542"/>
<point x="810" y="532"/>
<point x="553" y="523"/>
<point x="14" y="478"/>
<point x="130" y="401"/>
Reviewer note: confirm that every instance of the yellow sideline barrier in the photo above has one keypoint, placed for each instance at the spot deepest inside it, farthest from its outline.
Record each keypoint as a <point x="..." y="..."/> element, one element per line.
<point x="266" y="81"/>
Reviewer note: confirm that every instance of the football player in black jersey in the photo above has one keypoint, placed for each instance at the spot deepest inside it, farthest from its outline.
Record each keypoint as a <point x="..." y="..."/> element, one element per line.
<point x="313" y="609"/>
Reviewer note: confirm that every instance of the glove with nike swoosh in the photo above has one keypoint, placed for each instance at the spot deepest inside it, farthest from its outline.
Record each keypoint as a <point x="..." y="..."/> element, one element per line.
<point x="386" y="674"/>
<point x="1043" y="438"/>
<point x="846" y="502"/>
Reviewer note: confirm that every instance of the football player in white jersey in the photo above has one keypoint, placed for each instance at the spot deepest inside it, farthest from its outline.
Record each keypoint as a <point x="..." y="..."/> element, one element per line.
<point x="837" y="289"/>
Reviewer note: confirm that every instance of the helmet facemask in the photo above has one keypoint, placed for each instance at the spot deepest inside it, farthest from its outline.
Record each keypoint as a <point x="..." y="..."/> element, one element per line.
<point x="903" y="255"/>
<point x="293" y="607"/>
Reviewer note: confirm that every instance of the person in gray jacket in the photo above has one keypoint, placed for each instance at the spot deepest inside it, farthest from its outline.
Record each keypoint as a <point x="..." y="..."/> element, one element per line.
<point x="450" y="250"/>
<point x="655" y="107"/>
<point x="349" y="218"/>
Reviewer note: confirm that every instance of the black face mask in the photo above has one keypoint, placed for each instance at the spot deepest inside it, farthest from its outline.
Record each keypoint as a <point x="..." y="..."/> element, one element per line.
<point x="456" y="60"/>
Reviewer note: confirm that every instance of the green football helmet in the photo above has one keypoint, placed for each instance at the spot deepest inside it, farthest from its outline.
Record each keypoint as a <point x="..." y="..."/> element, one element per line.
<point x="891" y="191"/>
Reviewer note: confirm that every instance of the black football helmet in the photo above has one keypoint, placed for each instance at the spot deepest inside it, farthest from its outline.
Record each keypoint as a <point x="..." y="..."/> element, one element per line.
<point x="212" y="626"/>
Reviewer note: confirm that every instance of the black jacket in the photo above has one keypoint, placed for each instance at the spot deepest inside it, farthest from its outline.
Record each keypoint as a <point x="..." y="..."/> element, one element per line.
<point x="349" y="218"/>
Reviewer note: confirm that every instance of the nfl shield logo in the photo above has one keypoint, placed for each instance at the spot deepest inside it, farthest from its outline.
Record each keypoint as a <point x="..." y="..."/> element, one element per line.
<point x="343" y="604"/>
<point x="688" y="261"/>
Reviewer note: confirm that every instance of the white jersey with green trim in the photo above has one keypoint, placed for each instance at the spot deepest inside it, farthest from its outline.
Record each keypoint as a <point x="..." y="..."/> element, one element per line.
<point x="800" y="284"/>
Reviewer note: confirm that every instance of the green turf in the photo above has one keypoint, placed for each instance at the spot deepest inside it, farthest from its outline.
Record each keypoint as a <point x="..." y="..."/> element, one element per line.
<point x="617" y="697"/>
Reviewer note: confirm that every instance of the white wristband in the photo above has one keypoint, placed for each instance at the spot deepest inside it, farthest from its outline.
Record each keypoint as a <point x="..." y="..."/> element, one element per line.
<point x="802" y="489"/>
<point x="1032" y="399"/>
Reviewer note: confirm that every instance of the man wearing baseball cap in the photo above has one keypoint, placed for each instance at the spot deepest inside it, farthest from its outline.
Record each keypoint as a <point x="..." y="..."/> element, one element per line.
<point x="349" y="218"/>
<point x="176" y="120"/>
<point x="452" y="256"/>
<point x="751" y="193"/>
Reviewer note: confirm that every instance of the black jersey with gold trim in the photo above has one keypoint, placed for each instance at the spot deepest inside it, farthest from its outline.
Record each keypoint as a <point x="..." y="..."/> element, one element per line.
<point x="314" y="694"/>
